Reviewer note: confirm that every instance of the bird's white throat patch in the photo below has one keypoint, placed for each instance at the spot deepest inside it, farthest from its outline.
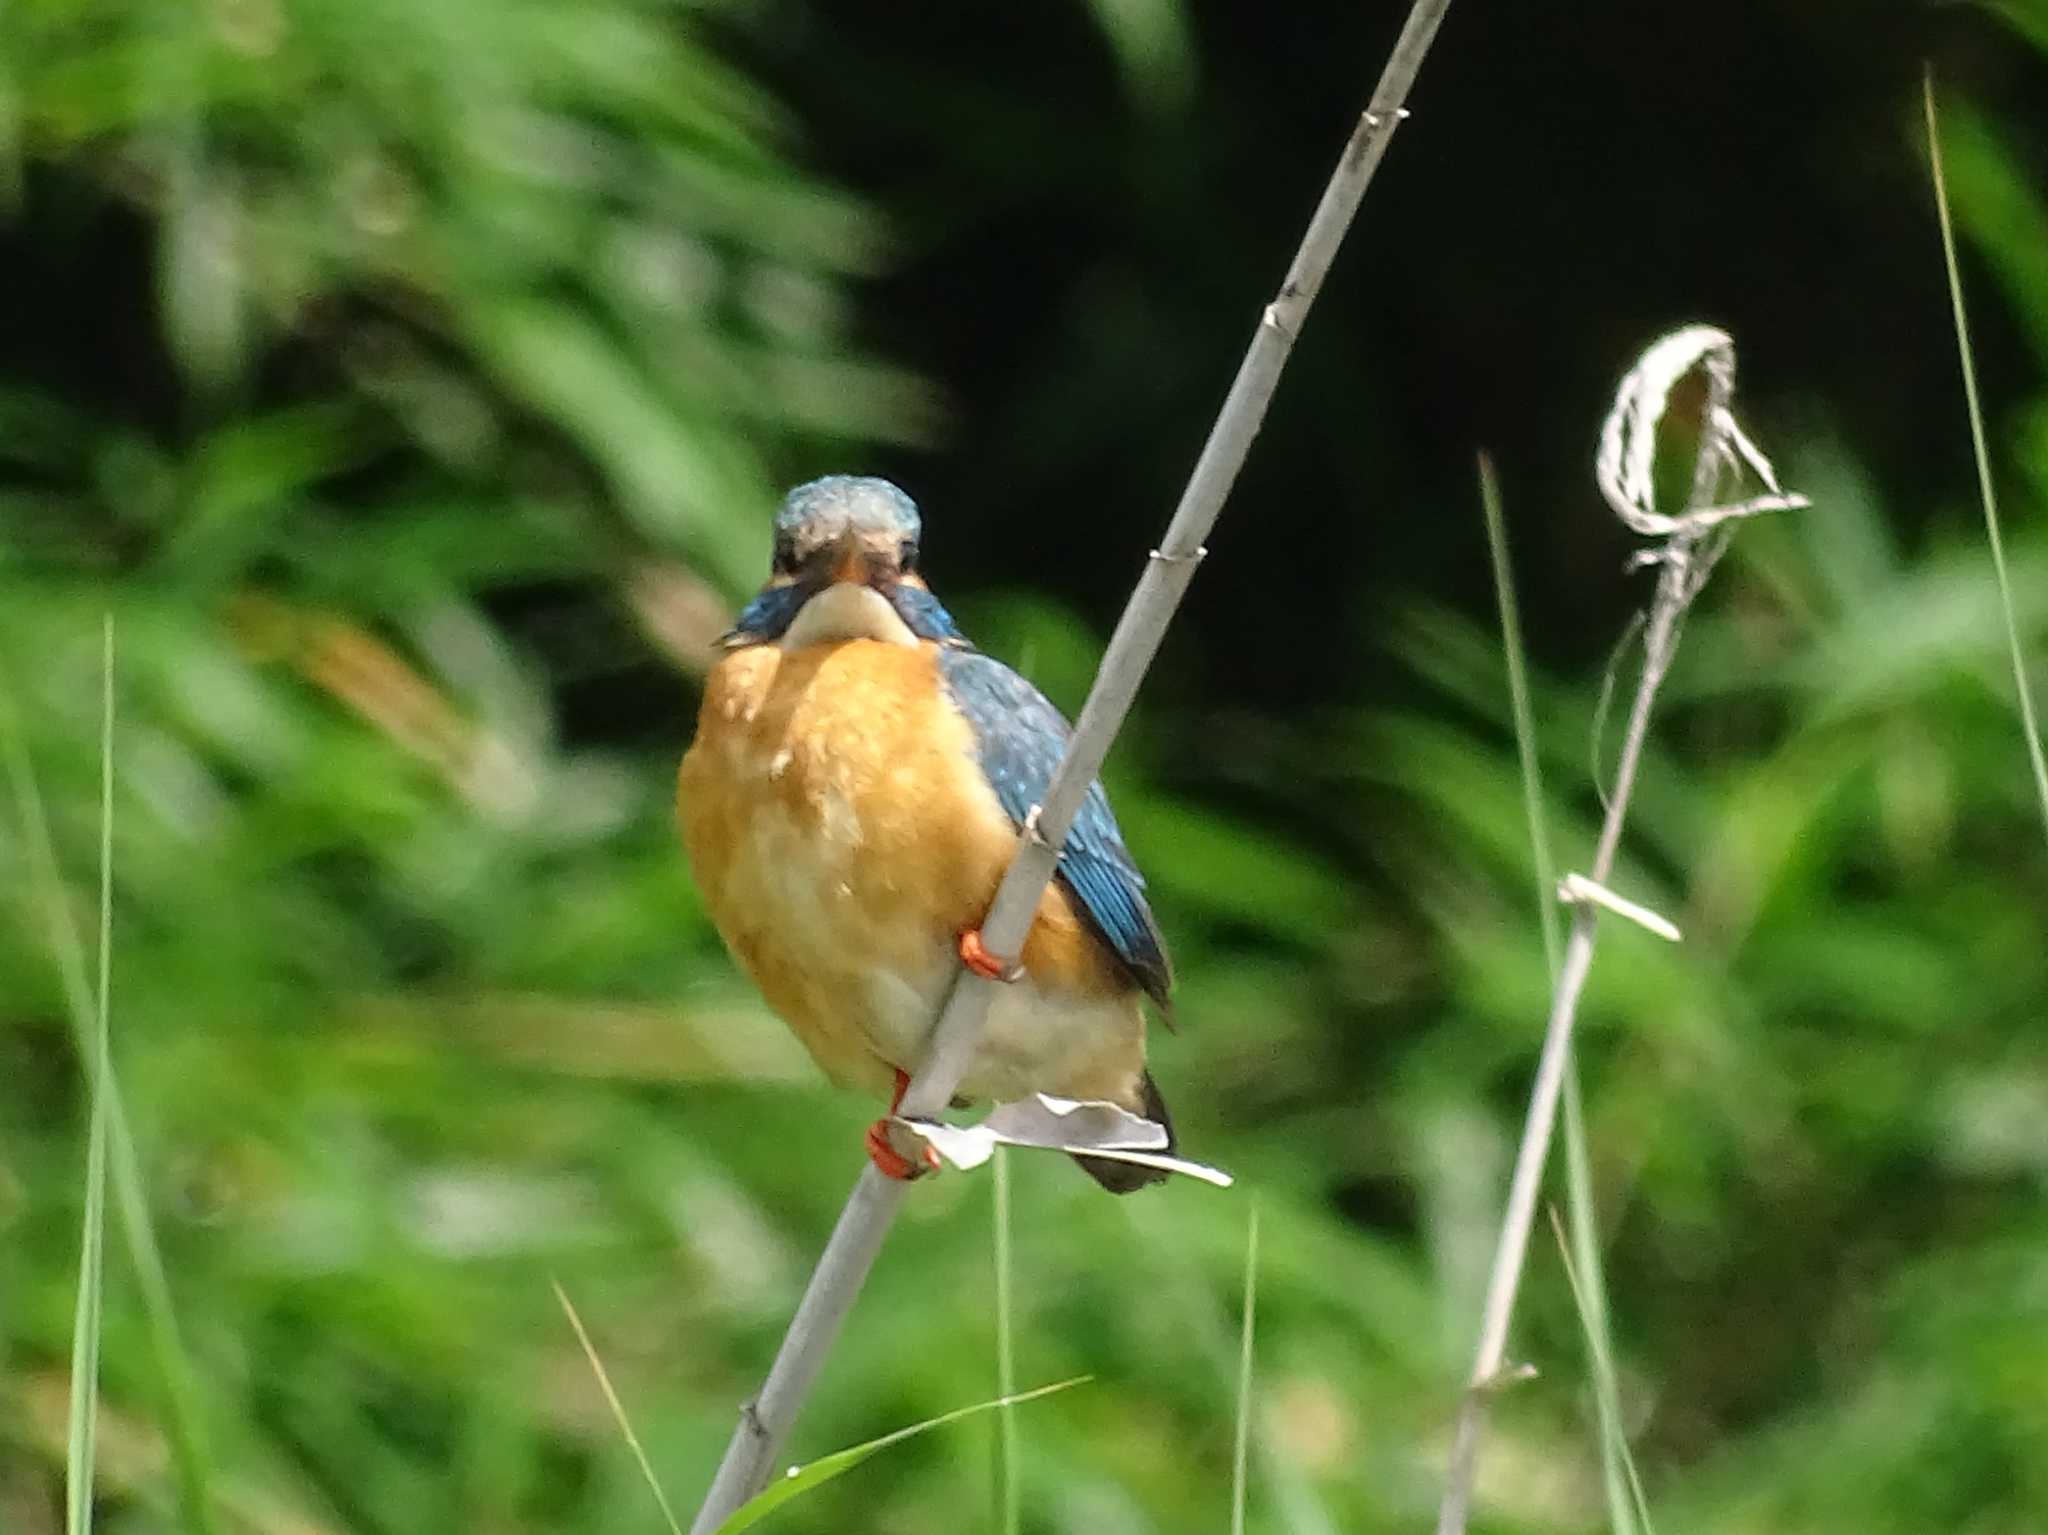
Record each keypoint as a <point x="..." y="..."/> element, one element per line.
<point x="846" y="611"/>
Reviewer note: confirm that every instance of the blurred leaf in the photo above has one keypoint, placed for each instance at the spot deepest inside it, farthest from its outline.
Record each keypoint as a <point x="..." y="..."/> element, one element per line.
<point x="669" y="477"/>
<point x="1154" y="48"/>
<point x="1236" y="872"/>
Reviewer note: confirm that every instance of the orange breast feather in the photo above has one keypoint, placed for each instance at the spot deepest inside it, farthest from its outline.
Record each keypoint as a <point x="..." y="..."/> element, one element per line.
<point x="842" y="833"/>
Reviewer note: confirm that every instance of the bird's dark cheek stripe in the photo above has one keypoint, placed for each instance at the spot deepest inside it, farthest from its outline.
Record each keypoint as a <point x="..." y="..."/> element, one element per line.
<point x="922" y="614"/>
<point x="775" y="608"/>
<point x="768" y="615"/>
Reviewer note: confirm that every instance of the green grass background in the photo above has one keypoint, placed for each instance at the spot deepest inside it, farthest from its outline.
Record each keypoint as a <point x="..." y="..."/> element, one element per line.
<point x="478" y="342"/>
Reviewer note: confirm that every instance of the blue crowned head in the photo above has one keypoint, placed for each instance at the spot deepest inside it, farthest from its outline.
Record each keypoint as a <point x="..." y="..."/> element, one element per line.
<point x="847" y="516"/>
<point x="846" y="530"/>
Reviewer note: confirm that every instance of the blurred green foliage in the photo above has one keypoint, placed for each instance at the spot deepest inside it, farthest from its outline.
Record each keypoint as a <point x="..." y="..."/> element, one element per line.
<point x="477" y="342"/>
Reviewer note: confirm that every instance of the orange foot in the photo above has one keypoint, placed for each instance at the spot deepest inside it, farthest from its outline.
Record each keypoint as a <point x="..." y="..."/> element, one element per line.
<point x="975" y="956"/>
<point x="883" y="1153"/>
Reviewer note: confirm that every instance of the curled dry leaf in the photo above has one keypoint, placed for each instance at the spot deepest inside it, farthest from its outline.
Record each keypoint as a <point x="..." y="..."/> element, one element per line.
<point x="1045" y="1123"/>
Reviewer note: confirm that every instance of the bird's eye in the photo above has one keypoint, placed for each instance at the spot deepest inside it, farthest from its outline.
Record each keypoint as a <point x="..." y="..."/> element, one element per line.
<point x="906" y="557"/>
<point x="785" y="556"/>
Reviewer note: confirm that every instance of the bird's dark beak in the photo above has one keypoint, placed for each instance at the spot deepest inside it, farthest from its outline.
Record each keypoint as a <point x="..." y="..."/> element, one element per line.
<point x="846" y="558"/>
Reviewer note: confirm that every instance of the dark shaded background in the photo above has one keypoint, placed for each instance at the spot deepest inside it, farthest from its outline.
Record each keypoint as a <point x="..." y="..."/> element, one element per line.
<point x="1075" y="256"/>
<point x="1081" y="276"/>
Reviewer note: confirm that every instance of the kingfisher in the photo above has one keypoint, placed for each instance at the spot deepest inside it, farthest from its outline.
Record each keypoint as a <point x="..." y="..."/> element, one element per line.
<point x="856" y="789"/>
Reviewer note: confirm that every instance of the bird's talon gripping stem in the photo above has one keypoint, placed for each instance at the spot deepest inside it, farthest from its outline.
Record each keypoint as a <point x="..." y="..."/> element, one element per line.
<point x="975" y="956"/>
<point x="893" y="1164"/>
<point x="888" y="1161"/>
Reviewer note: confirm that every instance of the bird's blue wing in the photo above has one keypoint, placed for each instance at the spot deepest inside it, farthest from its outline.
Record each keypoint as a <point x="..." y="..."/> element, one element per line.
<point x="1019" y="737"/>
